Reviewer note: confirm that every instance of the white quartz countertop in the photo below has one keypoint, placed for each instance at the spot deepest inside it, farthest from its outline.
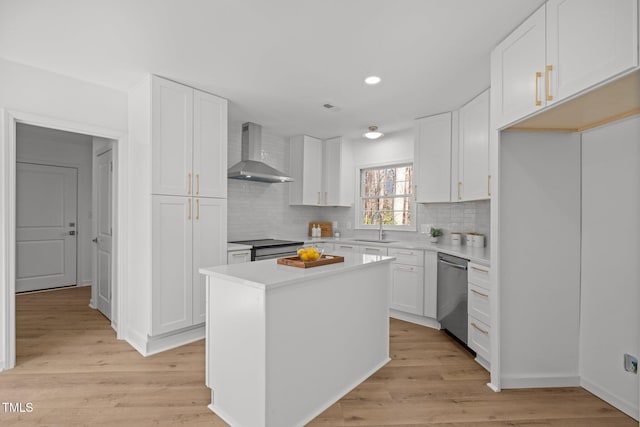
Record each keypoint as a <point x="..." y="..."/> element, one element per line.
<point x="476" y="255"/>
<point x="237" y="247"/>
<point x="269" y="274"/>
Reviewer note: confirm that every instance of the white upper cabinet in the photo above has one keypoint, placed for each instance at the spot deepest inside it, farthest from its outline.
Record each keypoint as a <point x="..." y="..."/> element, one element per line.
<point x="315" y="165"/>
<point x="172" y="136"/>
<point x="432" y="159"/>
<point x="517" y="69"/>
<point x="332" y="164"/>
<point x="589" y="42"/>
<point x="473" y="149"/>
<point x="189" y="141"/>
<point x="209" y="145"/>
<point x="565" y="47"/>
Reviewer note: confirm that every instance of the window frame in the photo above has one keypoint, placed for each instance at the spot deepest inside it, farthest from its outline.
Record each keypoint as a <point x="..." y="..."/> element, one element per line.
<point x="359" y="199"/>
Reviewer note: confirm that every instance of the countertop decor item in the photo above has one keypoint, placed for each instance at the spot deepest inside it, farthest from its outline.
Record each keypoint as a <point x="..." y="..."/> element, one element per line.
<point x="295" y="261"/>
<point x="435" y="233"/>
<point x="456" y="238"/>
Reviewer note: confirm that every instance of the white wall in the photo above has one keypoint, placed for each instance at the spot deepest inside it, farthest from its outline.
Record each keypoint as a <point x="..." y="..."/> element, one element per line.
<point x="48" y="146"/>
<point x="539" y="267"/>
<point x="610" y="297"/>
<point x="32" y="90"/>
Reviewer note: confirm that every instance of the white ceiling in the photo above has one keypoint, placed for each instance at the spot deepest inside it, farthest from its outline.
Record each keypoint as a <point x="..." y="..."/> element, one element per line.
<point x="277" y="61"/>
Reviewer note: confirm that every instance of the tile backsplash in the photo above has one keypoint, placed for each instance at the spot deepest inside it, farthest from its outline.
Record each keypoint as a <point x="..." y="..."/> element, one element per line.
<point x="259" y="210"/>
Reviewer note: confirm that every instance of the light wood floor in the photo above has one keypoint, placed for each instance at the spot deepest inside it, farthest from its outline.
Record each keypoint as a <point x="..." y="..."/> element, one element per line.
<point x="75" y="373"/>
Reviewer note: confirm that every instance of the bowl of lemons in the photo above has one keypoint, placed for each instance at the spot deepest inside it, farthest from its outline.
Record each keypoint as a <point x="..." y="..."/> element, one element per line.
<point x="309" y="253"/>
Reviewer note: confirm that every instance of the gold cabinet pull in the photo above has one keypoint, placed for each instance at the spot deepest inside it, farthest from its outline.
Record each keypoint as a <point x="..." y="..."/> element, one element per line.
<point x="197" y="208"/>
<point x="479" y="328"/>
<point x="538" y="76"/>
<point x="489" y="185"/>
<point x="459" y="185"/>
<point x="189" y="184"/>
<point x="415" y="192"/>
<point x="480" y="270"/>
<point x="547" y="84"/>
<point x="318" y="197"/>
<point x="479" y="293"/>
<point x="326" y="197"/>
<point x="189" y="216"/>
<point x="197" y="183"/>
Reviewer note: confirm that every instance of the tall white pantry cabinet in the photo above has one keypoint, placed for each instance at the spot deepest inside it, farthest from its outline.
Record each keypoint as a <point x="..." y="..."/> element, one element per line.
<point x="178" y="151"/>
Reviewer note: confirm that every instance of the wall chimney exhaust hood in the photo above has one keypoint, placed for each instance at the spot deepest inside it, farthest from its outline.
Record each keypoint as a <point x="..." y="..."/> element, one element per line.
<point x="250" y="167"/>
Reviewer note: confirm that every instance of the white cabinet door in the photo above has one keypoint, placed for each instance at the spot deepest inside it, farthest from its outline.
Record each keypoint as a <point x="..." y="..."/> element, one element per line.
<point x="432" y="159"/>
<point x="331" y="159"/>
<point x="238" y="257"/>
<point x="172" y="269"/>
<point x="209" y="145"/>
<point x="430" y="284"/>
<point x="306" y="169"/>
<point x="172" y="137"/>
<point x="473" y="165"/>
<point x="209" y="246"/>
<point x="407" y="288"/>
<point x="589" y="42"/>
<point x="517" y="71"/>
<point x="372" y="250"/>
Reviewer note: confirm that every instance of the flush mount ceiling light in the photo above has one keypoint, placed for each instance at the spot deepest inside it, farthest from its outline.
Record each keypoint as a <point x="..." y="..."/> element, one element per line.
<point x="372" y="80"/>
<point x="373" y="133"/>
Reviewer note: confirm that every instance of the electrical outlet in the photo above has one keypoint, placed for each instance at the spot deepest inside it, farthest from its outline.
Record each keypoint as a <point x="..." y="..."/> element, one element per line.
<point x="630" y="363"/>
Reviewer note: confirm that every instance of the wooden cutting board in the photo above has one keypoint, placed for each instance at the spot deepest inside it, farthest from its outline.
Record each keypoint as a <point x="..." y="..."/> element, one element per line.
<point x="326" y="227"/>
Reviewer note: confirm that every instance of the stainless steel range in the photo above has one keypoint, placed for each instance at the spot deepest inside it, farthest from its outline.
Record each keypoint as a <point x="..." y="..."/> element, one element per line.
<point x="271" y="248"/>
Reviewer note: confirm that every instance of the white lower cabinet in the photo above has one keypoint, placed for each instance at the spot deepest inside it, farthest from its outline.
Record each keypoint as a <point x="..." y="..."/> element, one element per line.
<point x="238" y="257"/>
<point x="406" y="292"/>
<point x="187" y="234"/>
<point x="372" y="250"/>
<point x="479" y="309"/>
<point x="345" y="247"/>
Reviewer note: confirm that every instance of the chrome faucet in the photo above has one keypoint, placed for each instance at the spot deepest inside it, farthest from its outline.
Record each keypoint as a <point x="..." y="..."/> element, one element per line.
<point x="380" y="231"/>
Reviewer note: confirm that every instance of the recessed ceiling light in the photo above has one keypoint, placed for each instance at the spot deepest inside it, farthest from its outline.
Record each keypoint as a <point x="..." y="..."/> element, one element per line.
<point x="373" y="133"/>
<point x="372" y="80"/>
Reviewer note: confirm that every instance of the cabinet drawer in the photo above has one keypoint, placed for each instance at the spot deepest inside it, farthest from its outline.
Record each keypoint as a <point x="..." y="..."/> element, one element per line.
<point x="479" y="305"/>
<point x="480" y="275"/>
<point x="373" y="250"/>
<point x="407" y="256"/>
<point x="238" y="257"/>
<point x="344" y="247"/>
<point x="479" y="338"/>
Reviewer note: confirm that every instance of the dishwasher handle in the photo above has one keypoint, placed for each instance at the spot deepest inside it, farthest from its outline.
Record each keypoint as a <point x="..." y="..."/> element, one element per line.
<point x="461" y="267"/>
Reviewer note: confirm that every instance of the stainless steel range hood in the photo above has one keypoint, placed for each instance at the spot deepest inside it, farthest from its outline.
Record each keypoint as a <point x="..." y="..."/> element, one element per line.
<point x="250" y="167"/>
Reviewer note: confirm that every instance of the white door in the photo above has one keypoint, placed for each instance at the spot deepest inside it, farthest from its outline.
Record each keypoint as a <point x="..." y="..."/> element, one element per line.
<point x="432" y="164"/>
<point x="104" y="231"/>
<point x="312" y="171"/>
<point x="332" y="154"/>
<point x="209" y="145"/>
<point x="172" y="263"/>
<point x="517" y="70"/>
<point x="473" y="162"/>
<point x="589" y="42"/>
<point x="46" y="209"/>
<point x="209" y="247"/>
<point x="172" y="134"/>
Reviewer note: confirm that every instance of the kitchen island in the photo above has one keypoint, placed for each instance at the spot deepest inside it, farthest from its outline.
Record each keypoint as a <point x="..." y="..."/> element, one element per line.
<point x="285" y="343"/>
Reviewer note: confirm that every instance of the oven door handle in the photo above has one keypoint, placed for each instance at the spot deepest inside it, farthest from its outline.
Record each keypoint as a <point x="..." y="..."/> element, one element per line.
<point x="450" y="264"/>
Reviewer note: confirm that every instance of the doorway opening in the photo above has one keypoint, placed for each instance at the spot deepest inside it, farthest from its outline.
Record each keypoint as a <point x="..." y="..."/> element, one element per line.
<point x="60" y="215"/>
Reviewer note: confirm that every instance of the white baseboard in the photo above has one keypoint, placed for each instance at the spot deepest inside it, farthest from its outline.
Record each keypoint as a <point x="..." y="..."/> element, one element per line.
<point x="84" y="283"/>
<point x="483" y="362"/>
<point x="493" y="387"/>
<point x="539" y="382"/>
<point x="625" y="406"/>
<point x="148" y="346"/>
<point x="413" y="318"/>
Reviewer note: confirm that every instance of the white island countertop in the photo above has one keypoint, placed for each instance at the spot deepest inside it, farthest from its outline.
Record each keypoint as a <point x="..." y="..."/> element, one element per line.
<point x="268" y="274"/>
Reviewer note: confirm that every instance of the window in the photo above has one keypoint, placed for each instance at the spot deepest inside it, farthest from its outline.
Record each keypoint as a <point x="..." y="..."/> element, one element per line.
<point x="387" y="190"/>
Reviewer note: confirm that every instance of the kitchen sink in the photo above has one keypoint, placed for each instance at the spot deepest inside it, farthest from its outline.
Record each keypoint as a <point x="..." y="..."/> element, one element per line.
<point x="373" y="241"/>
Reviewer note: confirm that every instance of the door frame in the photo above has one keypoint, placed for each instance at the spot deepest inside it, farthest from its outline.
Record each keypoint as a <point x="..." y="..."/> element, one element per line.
<point x="8" y="221"/>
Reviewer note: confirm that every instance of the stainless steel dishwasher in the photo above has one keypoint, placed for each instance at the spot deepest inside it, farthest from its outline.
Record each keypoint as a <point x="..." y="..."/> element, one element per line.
<point x="452" y="295"/>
